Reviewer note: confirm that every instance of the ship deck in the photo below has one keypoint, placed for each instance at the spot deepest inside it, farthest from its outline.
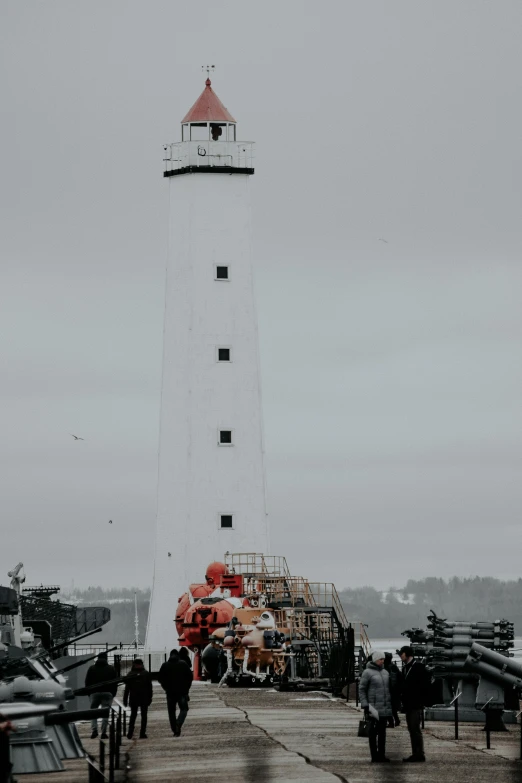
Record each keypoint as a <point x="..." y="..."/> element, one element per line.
<point x="246" y="736"/>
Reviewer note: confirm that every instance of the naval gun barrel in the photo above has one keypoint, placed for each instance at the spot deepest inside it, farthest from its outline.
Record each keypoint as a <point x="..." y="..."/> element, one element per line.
<point x="70" y="641"/>
<point x="52" y="715"/>
<point x="85" y="691"/>
<point x="494" y="666"/>
<point x="60" y="717"/>
<point x="20" y="710"/>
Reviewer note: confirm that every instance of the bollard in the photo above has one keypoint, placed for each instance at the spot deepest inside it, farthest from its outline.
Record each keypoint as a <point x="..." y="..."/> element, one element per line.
<point x="488" y="731"/>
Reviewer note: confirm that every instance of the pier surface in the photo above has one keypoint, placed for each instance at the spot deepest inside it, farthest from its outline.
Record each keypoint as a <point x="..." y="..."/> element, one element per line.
<point x="263" y="736"/>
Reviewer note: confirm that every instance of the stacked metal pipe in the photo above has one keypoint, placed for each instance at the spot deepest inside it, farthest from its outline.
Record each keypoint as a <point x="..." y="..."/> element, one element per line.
<point x="445" y="646"/>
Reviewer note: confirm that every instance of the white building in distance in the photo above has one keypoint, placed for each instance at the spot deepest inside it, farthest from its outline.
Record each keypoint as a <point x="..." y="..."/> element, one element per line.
<point x="211" y="484"/>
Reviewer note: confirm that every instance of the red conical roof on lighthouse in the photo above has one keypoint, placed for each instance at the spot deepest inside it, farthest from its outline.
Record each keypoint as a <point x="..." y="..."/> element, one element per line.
<point x="208" y="108"/>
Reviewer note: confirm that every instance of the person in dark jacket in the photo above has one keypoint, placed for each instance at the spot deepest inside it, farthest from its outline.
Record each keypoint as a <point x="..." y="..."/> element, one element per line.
<point x="395" y="688"/>
<point x="175" y="677"/>
<point x="138" y="694"/>
<point x="101" y="694"/>
<point x="374" y="693"/>
<point x="414" y="687"/>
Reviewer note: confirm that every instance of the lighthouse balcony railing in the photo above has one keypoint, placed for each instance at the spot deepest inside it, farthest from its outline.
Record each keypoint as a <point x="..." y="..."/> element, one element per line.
<point x="209" y="154"/>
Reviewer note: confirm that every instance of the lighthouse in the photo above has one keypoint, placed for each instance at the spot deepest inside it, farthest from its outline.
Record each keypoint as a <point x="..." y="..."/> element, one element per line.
<point x="211" y="478"/>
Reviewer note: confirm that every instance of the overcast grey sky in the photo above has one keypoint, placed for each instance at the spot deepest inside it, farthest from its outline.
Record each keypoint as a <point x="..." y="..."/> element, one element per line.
<point x="391" y="371"/>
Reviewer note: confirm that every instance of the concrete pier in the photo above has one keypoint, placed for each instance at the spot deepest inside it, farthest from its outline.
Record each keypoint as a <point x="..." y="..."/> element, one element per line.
<point x="251" y="736"/>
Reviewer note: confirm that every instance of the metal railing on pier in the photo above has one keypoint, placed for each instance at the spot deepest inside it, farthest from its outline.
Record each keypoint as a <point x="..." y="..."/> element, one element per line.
<point x="123" y="656"/>
<point x="103" y="765"/>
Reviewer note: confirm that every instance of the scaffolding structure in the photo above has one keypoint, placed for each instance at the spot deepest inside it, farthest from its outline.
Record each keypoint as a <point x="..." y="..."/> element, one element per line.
<point x="322" y="640"/>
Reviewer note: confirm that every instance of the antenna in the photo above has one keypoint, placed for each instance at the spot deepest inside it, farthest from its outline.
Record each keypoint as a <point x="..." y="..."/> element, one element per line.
<point x="209" y="69"/>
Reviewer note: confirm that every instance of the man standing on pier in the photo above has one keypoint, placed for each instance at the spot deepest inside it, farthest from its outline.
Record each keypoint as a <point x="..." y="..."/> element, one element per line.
<point x="414" y="688"/>
<point x="175" y="677"/>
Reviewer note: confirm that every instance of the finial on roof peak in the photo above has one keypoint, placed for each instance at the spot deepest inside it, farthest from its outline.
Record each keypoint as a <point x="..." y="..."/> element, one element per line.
<point x="209" y="69"/>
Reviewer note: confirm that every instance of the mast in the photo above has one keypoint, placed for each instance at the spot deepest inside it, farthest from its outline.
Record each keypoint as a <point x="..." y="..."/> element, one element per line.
<point x="137" y="642"/>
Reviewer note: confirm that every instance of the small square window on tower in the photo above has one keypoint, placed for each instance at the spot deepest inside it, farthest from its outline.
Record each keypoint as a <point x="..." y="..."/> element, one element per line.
<point x="225" y="437"/>
<point x="221" y="273"/>
<point x="224" y="355"/>
<point x="226" y="521"/>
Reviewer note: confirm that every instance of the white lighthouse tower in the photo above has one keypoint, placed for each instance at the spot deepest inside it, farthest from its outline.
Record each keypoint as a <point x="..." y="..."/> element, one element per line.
<point x="211" y="485"/>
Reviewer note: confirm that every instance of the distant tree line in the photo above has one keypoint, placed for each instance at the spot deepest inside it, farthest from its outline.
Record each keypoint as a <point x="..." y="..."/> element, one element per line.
<point x="476" y="598"/>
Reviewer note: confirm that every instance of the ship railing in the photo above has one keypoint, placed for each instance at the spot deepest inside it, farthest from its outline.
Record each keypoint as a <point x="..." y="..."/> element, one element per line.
<point x="257" y="564"/>
<point x="283" y="590"/>
<point x="123" y="657"/>
<point x="325" y="594"/>
<point x="363" y="639"/>
<point x="306" y="623"/>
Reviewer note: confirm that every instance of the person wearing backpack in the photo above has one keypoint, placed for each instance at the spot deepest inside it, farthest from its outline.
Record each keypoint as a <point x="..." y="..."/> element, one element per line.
<point x="415" y="683"/>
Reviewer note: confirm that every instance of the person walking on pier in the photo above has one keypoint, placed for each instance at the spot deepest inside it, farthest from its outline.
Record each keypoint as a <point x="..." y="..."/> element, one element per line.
<point x="138" y="693"/>
<point x="374" y="692"/>
<point x="414" y="689"/>
<point x="101" y="694"/>
<point x="175" y="677"/>
<point x="395" y="689"/>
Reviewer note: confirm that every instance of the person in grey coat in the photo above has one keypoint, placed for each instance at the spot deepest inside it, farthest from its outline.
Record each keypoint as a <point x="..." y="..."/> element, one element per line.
<point x="374" y="690"/>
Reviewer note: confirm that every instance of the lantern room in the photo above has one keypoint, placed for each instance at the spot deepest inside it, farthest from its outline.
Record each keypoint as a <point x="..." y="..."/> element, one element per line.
<point x="208" y="141"/>
<point x="208" y="119"/>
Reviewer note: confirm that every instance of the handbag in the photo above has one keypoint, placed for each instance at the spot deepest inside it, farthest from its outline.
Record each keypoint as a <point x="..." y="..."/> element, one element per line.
<point x="364" y="728"/>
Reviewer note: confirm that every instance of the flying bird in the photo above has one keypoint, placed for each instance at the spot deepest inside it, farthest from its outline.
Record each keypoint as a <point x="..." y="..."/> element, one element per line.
<point x="169" y="554"/>
<point x="75" y="437"/>
<point x="381" y="239"/>
<point x="110" y="521"/>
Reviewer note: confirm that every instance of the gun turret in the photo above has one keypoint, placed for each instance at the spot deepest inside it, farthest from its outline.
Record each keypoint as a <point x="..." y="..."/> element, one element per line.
<point x="44" y="735"/>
